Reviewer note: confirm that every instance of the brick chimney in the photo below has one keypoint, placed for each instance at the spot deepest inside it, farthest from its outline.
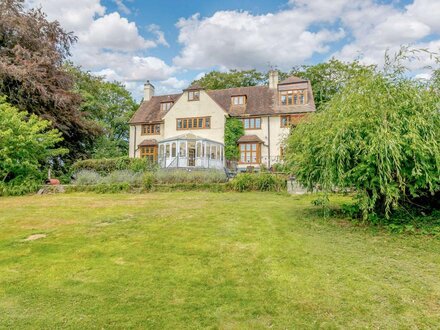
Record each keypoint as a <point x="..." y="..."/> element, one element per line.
<point x="273" y="79"/>
<point x="148" y="91"/>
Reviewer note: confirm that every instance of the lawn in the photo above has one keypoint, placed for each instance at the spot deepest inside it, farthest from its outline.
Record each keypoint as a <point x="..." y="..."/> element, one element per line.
<point x="207" y="260"/>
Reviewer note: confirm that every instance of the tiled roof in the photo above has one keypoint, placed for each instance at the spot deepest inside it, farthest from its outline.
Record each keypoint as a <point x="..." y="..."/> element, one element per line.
<point x="249" y="138"/>
<point x="292" y="80"/>
<point x="147" y="143"/>
<point x="260" y="100"/>
<point x="151" y="111"/>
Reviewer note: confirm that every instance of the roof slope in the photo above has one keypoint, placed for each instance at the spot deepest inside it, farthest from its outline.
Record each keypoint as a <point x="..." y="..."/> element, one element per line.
<point x="260" y="100"/>
<point x="151" y="111"/>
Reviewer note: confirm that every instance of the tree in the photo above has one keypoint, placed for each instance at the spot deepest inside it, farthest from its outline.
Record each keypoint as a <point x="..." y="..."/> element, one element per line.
<point x="328" y="78"/>
<point x="233" y="78"/>
<point x="27" y="144"/>
<point x="32" y="75"/>
<point x="108" y="104"/>
<point x="378" y="135"/>
<point x="233" y="131"/>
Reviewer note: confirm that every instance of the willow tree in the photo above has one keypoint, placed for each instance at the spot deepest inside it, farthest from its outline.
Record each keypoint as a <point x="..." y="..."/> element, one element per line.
<point x="379" y="136"/>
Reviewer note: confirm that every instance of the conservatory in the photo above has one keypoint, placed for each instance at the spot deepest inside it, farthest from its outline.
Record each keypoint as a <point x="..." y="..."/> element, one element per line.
<point x="190" y="151"/>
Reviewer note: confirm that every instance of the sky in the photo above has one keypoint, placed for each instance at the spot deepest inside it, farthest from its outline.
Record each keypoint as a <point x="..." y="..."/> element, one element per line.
<point x="173" y="42"/>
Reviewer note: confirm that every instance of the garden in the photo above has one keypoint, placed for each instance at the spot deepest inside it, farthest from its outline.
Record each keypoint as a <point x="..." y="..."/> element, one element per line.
<point x="208" y="260"/>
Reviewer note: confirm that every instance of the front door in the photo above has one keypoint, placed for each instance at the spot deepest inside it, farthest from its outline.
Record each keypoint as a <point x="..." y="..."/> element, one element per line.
<point x="192" y="157"/>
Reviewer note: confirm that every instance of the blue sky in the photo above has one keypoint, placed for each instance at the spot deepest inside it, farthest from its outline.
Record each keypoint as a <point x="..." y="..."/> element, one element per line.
<point x="173" y="42"/>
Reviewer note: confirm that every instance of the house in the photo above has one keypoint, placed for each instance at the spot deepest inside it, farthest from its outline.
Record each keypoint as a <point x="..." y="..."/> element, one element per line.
<point x="187" y="129"/>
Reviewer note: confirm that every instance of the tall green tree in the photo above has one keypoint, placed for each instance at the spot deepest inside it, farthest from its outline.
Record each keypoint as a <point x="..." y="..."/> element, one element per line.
<point x="32" y="75"/>
<point x="27" y="145"/>
<point x="108" y="104"/>
<point x="231" y="79"/>
<point x="378" y="135"/>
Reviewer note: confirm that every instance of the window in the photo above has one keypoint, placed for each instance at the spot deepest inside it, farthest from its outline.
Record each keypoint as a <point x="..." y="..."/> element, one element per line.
<point x="250" y="153"/>
<point x="293" y="97"/>
<point x="291" y="120"/>
<point x="238" y="100"/>
<point x="149" y="152"/>
<point x="165" y="106"/>
<point x="167" y="151"/>
<point x="193" y="123"/>
<point x="182" y="147"/>
<point x="252" y="123"/>
<point x="150" y="129"/>
<point x="193" y="95"/>
<point x="173" y="149"/>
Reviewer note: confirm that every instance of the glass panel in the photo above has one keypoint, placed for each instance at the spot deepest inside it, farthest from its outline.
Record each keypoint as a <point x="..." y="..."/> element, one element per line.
<point x="161" y="150"/>
<point x="208" y="122"/>
<point x="242" y="147"/>
<point x="254" y="157"/>
<point x="200" y="123"/>
<point x="218" y="152"/>
<point x="213" y="152"/>
<point x="185" y="123"/>
<point x="254" y="147"/>
<point x="257" y="122"/>
<point x="248" y="158"/>
<point x="248" y="147"/>
<point x="168" y="151"/>
<point x="242" y="159"/>
<point x="182" y="147"/>
<point x="179" y="123"/>
<point x="199" y="150"/>
<point x="283" y="99"/>
<point x="289" y="99"/>
<point x="173" y="150"/>
<point x="296" y="99"/>
<point x="246" y="123"/>
<point x="190" y="123"/>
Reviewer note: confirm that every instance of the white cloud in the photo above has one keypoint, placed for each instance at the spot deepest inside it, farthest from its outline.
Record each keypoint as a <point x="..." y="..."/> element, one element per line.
<point x="109" y="44"/>
<point x="112" y="31"/>
<point x="122" y="7"/>
<point x="235" y="39"/>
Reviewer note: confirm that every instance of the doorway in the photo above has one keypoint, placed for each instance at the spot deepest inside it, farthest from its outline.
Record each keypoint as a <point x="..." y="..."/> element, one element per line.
<point x="192" y="157"/>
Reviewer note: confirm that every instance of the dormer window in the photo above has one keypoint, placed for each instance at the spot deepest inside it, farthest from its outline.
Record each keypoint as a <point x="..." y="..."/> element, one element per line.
<point x="238" y="100"/>
<point x="293" y="97"/>
<point x="193" y="95"/>
<point x="165" y="106"/>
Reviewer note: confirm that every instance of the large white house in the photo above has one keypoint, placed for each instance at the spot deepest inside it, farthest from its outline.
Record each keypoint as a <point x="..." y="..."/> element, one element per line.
<point x="187" y="129"/>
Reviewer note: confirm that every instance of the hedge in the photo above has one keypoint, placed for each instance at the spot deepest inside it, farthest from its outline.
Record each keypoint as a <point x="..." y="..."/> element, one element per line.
<point x="106" y="166"/>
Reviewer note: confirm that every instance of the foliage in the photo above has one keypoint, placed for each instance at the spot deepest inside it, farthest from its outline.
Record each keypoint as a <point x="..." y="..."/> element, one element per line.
<point x="87" y="177"/>
<point x="233" y="78"/>
<point x="183" y="176"/>
<point x="258" y="181"/>
<point x="233" y="131"/>
<point x="148" y="180"/>
<point x="379" y="135"/>
<point x="106" y="166"/>
<point x="108" y="104"/>
<point x="27" y="144"/>
<point x="32" y="76"/>
<point x="328" y="78"/>
<point x="124" y="176"/>
<point x="19" y="187"/>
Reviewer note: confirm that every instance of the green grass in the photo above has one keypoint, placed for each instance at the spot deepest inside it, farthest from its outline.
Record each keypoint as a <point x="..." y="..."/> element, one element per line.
<point x="207" y="260"/>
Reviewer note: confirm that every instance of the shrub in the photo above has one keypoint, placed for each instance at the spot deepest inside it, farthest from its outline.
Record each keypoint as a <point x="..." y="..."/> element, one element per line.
<point x="106" y="166"/>
<point x="87" y="177"/>
<point x="19" y="187"/>
<point x="258" y="181"/>
<point x="123" y="176"/>
<point x="183" y="176"/>
<point x="147" y="180"/>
